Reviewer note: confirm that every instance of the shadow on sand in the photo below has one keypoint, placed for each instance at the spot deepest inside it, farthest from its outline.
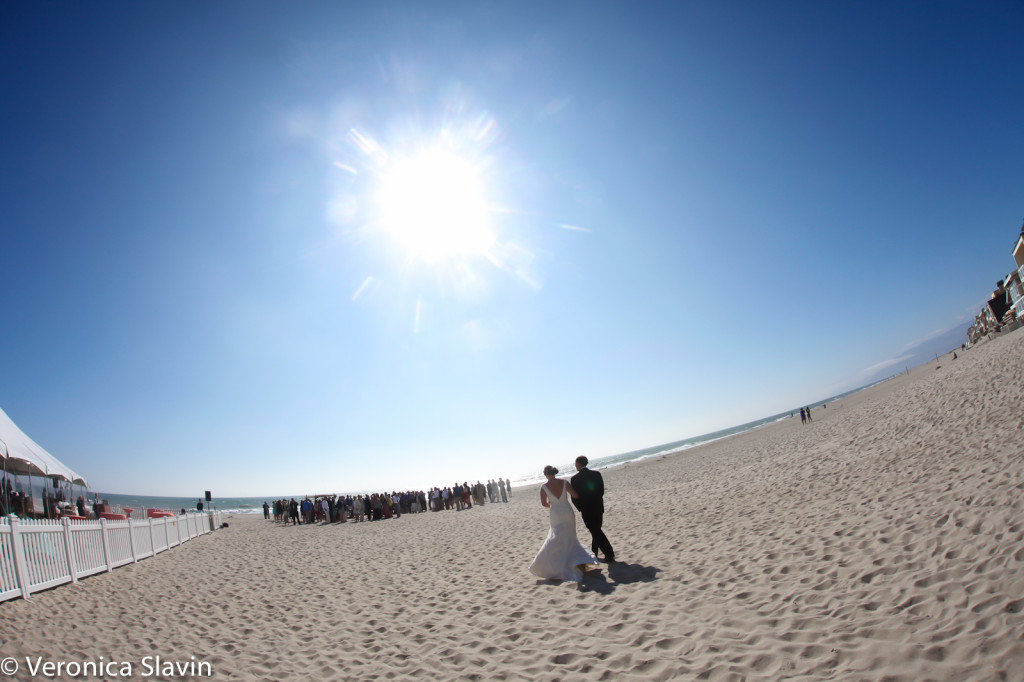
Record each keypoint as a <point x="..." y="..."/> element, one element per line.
<point x="618" y="573"/>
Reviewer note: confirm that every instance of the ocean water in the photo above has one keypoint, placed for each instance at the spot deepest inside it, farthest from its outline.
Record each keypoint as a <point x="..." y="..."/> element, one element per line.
<point x="685" y="444"/>
<point x="235" y="505"/>
<point x="254" y="505"/>
<point x="656" y="450"/>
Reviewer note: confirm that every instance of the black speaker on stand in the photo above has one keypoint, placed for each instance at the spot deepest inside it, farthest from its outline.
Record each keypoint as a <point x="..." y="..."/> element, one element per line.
<point x="209" y="501"/>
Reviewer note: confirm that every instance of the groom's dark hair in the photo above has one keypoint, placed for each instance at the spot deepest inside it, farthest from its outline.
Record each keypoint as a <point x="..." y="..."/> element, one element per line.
<point x="582" y="461"/>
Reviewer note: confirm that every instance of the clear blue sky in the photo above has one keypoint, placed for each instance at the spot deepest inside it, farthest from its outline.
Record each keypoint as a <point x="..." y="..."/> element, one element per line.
<point x="697" y="214"/>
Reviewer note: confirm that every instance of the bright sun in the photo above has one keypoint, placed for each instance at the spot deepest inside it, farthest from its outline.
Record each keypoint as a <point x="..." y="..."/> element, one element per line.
<point x="433" y="205"/>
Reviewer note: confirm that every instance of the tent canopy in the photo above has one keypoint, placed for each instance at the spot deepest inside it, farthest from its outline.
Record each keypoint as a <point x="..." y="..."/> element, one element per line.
<point x="22" y="455"/>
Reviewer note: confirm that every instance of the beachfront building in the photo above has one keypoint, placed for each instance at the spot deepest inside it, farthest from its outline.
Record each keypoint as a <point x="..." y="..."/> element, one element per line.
<point x="1018" y="250"/>
<point x="1004" y="311"/>
<point x="1014" y="296"/>
<point x="984" y="323"/>
<point x="1013" y="318"/>
<point x="1017" y="289"/>
<point x="988" y="320"/>
<point x="975" y="331"/>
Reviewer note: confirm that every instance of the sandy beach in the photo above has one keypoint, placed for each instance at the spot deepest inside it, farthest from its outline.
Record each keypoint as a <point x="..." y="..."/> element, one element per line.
<point x="881" y="541"/>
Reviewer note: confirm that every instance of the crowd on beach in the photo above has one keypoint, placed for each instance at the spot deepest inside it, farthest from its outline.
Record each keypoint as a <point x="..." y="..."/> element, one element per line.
<point x="378" y="506"/>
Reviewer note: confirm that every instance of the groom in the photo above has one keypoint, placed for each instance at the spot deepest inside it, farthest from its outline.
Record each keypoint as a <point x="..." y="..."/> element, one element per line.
<point x="590" y="487"/>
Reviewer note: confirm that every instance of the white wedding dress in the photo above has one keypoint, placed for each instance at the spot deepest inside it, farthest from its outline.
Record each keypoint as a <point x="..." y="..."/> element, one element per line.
<point x="560" y="556"/>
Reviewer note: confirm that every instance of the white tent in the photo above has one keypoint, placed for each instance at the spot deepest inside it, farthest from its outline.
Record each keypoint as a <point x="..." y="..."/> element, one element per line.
<point x="22" y="455"/>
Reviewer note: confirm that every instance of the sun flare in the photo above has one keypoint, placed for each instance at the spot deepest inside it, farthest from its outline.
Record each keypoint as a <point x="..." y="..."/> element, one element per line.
<point x="433" y="204"/>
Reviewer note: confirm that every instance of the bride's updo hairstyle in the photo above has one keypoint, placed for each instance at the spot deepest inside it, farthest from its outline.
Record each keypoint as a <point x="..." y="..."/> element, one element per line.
<point x="550" y="471"/>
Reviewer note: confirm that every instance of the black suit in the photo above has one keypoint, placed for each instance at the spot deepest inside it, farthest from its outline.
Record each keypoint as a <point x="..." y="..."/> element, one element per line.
<point x="590" y="487"/>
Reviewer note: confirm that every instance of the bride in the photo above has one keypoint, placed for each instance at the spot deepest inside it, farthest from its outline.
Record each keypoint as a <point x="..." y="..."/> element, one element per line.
<point x="562" y="557"/>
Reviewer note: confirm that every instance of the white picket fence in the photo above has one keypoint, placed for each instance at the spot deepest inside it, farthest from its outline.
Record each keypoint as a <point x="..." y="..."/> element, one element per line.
<point x="38" y="555"/>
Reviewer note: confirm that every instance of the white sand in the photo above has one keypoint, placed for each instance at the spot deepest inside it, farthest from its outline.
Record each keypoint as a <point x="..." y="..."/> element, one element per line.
<point x="883" y="541"/>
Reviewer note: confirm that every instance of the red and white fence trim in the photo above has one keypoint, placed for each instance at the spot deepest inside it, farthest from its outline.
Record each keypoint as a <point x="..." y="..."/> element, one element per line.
<point x="38" y="555"/>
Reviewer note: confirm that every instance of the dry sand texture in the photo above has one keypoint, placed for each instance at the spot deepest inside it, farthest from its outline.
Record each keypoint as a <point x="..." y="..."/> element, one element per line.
<point x="883" y="541"/>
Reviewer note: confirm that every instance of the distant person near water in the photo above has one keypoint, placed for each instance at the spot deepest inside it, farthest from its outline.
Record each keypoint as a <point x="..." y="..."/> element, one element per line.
<point x="590" y="486"/>
<point x="808" y="414"/>
<point x="803" y="416"/>
<point x="199" y="505"/>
